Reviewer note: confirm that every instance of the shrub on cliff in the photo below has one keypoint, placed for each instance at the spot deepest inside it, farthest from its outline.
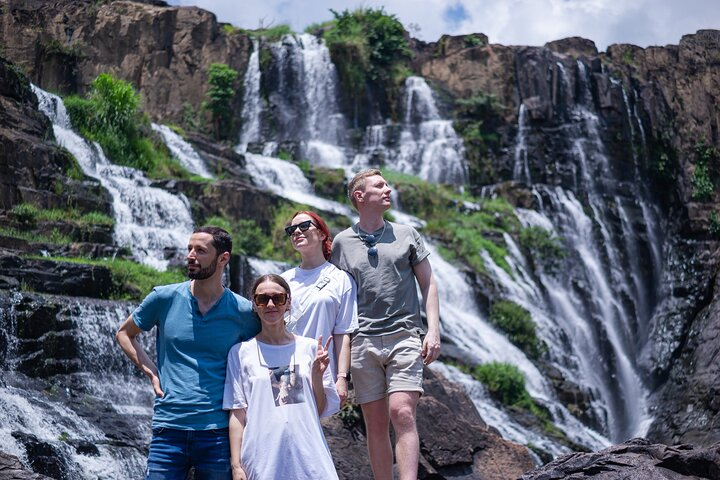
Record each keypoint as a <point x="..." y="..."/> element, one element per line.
<point x="110" y="115"/>
<point x="369" y="48"/>
<point x="517" y="323"/>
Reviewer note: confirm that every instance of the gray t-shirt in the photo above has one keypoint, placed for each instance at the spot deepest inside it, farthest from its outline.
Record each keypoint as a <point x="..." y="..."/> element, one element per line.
<point x="387" y="292"/>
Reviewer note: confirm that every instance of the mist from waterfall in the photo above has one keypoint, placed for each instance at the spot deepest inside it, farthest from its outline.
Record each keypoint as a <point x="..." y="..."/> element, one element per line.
<point x="147" y="219"/>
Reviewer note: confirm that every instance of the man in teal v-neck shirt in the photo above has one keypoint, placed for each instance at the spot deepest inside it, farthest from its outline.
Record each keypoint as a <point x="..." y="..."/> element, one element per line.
<point x="197" y="323"/>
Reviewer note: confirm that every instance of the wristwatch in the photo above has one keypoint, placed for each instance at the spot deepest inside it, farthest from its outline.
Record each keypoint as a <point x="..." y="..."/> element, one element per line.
<point x="345" y="375"/>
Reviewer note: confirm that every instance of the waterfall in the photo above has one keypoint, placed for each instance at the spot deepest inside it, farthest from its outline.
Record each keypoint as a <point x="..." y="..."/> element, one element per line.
<point x="182" y="151"/>
<point x="84" y="442"/>
<point x="427" y="147"/>
<point x="252" y="105"/>
<point x="521" y="170"/>
<point x="147" y="220"/>
<point x="603" y="300"/>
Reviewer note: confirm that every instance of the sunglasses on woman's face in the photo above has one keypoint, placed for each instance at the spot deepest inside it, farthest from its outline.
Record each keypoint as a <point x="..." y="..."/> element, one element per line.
<point x="303" y="226"/>
<point x="278" y="299"/>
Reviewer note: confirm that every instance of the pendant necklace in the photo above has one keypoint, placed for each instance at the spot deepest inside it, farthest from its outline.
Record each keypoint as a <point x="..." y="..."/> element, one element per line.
<point x="370" y="241"/>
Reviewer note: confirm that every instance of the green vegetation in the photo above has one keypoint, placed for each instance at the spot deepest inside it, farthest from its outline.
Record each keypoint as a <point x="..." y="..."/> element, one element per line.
<point x="55" y="47"/>
<point x="369" y="49"/>
<point x="476" y="122"/>
<point x="506" y="383"/>
<point x="329" y="182"/>
<point x="28" y="216"/>
<point x="350" y="415"/>
<point x="220" y="95"/>
<point x="131" y="281"/>
<point x="517" y="323"/>
<point x="473" y="40"/>
<point x="248" y="238"/>
<point x="542" y="246"/>
<point x="110" y="116"/>
<point x="714" y="227"/>
<point x="702" y="185"/>
<point x="464" y="232"/>
<point x="271" y="34"/>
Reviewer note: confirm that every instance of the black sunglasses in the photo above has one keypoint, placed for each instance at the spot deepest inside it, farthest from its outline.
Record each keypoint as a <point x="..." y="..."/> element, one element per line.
<point x="303" y="226"/>
<point x="262" y="300"/>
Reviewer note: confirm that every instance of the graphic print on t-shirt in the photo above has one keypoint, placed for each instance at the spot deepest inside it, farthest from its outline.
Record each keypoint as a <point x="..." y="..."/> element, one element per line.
<point x="287" y="385"/>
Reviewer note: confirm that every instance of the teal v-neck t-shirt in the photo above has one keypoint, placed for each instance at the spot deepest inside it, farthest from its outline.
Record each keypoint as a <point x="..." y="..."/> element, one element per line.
<point x="192" y="352"/>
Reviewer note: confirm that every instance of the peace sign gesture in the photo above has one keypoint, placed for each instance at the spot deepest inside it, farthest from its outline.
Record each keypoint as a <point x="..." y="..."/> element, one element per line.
<point x="322" y="358"/>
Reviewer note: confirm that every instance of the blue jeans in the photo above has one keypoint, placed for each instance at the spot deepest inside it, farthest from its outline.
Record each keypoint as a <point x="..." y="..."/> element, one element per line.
<point x="173" y="452"/>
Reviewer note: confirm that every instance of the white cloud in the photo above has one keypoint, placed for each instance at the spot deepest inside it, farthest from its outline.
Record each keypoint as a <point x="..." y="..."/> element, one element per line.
<point x="510" y="22"/>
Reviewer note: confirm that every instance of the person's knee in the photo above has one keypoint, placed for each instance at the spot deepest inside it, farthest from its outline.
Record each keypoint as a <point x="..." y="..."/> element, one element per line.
<point x="402" y="416"/>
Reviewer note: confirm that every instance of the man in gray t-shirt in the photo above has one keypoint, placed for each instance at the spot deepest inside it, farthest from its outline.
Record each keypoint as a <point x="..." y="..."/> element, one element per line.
<point x="388" y="352"/>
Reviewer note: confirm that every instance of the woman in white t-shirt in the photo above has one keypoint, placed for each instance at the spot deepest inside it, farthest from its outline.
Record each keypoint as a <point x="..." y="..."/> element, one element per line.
<point x="277" y="386"/>
<point x="325" y="297"/>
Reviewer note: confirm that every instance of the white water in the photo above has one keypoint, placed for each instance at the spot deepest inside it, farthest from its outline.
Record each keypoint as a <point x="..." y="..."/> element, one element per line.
<point x="147" y="219"/>
<point x="104" y="372"/>
<point x="428" y="146"/>
<point x="182" y="151"/>
<point x="587" y="302"/>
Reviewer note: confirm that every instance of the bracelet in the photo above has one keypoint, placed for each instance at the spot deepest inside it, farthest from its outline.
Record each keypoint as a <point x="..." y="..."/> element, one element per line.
<point x="343" y="375"/>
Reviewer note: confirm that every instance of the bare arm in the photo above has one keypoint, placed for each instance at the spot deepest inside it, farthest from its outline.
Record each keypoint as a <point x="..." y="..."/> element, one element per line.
<point x="319" y="365"/>
<point x="431" y="303"/>
<point x="237" y="428"/>
<point x="342" y="360"/>
<point x="126" y="337"/>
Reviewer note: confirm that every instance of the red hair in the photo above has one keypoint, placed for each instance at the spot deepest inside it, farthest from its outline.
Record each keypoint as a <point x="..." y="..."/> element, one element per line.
<point x="322" y="226"/>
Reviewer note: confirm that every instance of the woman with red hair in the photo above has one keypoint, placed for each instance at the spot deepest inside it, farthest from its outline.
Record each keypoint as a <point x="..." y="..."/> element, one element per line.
<point x="324" y="297"/>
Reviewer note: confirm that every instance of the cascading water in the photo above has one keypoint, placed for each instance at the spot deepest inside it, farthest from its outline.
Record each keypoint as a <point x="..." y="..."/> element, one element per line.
<point x="147" y="220"/>
<point x="84" y="416"/>
<point x="182" y="151"/>
<point x="603" y="301"/>
<point x="428" y="146"/>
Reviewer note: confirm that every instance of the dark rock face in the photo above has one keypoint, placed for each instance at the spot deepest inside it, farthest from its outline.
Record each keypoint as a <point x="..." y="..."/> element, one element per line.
<point x="164" y="51"/>
<point x="12" y="469"/>
<point x="454" y="441"/>
<point x="32" y="167"/>
<point x="635" y="459"/>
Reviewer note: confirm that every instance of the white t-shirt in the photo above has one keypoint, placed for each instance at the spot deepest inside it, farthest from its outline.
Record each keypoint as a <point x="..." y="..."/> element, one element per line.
<point x="324" y="302"/>
<point x="283" y="437"/>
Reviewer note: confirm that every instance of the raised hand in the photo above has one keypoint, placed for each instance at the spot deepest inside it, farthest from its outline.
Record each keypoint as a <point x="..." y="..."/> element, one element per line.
<point x="322" y="358"/>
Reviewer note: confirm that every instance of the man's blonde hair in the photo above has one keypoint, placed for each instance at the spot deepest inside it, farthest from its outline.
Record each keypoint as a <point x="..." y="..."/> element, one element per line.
<point x="358" y="183"/>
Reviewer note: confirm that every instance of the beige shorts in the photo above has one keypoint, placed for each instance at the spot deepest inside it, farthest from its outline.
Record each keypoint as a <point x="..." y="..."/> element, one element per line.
<point x="384" y="364"/>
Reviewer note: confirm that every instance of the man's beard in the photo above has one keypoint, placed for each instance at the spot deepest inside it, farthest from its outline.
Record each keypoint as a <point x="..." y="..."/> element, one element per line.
<point x="203" y="273"/>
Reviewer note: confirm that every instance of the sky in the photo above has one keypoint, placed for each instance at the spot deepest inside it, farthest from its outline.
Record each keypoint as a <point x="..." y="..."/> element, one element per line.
<point x="508" y="22"/>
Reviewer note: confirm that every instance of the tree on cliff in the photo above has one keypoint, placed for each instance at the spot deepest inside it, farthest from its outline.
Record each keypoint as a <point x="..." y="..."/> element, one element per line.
<point x="220" y="94"/>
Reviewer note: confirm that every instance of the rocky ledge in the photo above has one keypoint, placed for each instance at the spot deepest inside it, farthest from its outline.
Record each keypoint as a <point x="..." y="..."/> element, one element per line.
<point x="636" y="459"/>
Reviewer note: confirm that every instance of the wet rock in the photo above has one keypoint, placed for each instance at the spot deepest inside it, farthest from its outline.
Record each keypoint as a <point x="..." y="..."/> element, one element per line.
<point x="12" y="469"/>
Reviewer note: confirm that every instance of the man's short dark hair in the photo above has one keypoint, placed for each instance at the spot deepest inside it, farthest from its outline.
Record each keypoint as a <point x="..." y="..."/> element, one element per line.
<point x="221" y="240"/>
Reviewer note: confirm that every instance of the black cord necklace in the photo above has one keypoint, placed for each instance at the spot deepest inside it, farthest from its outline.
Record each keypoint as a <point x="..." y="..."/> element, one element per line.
<point x="370" y="241"/>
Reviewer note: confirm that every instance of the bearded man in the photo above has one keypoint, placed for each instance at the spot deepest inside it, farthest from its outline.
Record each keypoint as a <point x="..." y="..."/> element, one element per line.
<point x="197" y="322"/>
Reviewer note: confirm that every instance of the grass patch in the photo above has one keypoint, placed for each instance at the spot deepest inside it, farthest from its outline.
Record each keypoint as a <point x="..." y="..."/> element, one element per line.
<point x="131" y="281"/>
<point x="464" y="233"/>
<point x="517" y="323"/>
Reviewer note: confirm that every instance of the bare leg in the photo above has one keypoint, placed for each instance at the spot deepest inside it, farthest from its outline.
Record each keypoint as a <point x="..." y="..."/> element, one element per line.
<point x="377" y="425"/>
<point x="407" y="447"/>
